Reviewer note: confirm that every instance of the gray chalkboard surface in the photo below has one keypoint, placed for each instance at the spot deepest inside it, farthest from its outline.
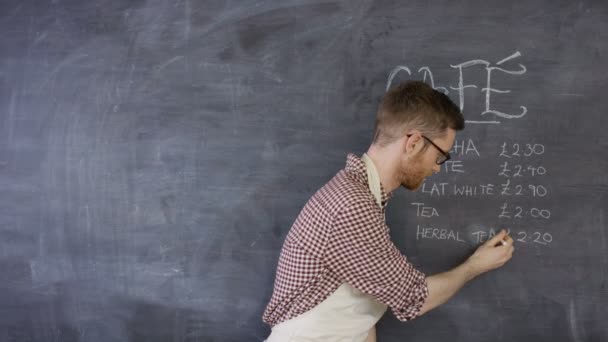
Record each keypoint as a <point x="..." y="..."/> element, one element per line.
<point x="154" y="154"/>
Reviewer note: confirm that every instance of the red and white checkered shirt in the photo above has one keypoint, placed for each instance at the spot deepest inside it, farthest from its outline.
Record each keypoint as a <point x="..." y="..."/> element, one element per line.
<point x="341" y="236"/>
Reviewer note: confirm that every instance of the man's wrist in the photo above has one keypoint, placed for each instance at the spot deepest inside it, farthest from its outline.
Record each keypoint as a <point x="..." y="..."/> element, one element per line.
<point x="470" y="270"/>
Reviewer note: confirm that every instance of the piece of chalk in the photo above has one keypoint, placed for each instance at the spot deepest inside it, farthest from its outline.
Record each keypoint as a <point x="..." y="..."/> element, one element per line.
<point x="503" y="242"/>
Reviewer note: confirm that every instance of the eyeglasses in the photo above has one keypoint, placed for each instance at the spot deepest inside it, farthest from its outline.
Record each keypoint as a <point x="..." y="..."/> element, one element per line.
<point x="445" y="156"/>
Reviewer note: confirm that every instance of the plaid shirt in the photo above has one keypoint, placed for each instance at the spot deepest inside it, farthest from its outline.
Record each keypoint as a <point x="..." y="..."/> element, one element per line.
<point x="341" y="236"/>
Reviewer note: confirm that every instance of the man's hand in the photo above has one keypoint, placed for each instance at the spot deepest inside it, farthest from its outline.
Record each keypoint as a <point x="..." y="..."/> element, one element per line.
<point x="491" y="255"/>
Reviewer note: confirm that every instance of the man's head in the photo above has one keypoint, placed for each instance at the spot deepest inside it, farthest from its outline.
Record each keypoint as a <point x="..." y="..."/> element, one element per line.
<point x="416" y="125"/>
<point x="415" y="105"/>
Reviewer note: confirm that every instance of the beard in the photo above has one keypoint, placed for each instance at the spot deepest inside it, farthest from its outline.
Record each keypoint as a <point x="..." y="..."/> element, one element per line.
<point x="412" y="175"/>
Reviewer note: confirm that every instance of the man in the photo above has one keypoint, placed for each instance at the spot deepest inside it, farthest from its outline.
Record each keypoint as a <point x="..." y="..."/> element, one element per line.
<point x="339" y="271"/>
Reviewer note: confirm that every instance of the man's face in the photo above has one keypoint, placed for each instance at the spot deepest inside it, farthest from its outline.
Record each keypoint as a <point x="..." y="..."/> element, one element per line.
<point x="424" y="163"/>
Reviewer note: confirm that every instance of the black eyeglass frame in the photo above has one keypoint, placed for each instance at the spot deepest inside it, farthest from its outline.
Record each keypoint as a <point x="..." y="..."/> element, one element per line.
<point x="446" y="155"/>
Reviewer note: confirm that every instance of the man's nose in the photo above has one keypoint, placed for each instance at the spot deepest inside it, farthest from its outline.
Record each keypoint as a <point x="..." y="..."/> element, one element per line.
<point x="436" y="168"/>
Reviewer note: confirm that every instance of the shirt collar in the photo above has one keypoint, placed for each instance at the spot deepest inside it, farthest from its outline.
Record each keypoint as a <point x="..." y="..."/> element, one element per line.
<point x="356" y="168"/>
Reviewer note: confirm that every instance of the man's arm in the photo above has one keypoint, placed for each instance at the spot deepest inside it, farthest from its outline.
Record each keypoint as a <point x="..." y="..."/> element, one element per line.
<point x="487" y="257"/>
<point x="360" y="252"/>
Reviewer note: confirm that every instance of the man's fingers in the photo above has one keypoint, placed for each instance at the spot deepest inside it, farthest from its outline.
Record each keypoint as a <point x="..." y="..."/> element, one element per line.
<point x="497" y="238"/>
<point x="507" y="241"/>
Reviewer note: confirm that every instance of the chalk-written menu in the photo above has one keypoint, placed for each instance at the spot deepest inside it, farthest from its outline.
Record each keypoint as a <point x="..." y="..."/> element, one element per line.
<point x="518" y="180"/>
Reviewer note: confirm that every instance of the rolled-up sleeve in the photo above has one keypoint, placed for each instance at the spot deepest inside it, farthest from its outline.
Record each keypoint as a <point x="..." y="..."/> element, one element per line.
<point x="360" y="251"/>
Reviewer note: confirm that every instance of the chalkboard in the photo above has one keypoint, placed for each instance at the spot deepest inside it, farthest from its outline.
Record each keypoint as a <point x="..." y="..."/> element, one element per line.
<point x="154" y="155"/>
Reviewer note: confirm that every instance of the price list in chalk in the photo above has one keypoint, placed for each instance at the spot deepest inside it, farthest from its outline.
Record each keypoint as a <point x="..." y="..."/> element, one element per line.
<point x="523" y="176"/>
<point x="519" y="181"/>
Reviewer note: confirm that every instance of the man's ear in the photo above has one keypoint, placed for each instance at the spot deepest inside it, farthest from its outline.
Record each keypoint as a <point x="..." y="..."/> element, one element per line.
<point x="413" y="144"/>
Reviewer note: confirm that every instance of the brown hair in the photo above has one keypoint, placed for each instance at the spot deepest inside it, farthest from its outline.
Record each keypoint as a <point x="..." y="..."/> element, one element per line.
<point x="415" y="105"/>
